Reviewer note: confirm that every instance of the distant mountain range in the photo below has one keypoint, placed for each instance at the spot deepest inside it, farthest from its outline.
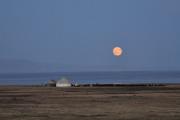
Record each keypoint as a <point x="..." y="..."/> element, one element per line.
<point x="16" y="66"/>
<point x="26" y="66"/>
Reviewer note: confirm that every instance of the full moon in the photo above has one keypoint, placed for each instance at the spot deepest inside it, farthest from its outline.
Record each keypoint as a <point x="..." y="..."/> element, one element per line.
<point x="117" y="51"/>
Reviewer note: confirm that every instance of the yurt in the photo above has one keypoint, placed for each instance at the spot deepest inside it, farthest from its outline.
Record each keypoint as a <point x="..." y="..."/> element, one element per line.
<point x="63" y="83"/>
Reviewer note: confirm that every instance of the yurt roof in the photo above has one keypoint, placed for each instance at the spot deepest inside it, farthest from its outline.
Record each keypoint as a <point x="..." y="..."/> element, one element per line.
<point x="63" y="81"/>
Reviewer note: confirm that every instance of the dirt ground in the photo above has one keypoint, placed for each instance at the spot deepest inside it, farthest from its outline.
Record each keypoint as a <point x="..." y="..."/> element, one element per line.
<point x="90" y="103"/>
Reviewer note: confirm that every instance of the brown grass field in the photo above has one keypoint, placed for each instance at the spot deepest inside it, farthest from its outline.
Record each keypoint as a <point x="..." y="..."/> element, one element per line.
<point x="90" y="103"/>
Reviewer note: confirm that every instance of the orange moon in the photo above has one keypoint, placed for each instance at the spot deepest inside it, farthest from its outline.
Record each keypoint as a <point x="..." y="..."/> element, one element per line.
<point x="117" y="51"/>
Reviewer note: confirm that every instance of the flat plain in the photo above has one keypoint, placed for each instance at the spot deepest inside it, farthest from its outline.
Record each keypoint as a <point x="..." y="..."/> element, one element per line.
<point x="90" y="103"/>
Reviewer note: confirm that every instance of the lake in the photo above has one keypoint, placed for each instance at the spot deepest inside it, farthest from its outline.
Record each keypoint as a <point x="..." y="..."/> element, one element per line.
<point x="92" y="77"/>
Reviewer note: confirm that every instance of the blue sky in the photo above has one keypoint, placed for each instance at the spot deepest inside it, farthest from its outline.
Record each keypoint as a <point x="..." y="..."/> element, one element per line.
<point x="76" y="35"/>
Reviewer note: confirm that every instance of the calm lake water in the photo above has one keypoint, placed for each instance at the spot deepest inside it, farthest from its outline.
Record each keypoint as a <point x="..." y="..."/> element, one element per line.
<point x="94" y="77"/>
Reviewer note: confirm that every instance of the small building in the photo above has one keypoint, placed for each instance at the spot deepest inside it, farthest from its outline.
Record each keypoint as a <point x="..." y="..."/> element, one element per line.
<point x="51" y="83"/>
<point x="63" y="83"/>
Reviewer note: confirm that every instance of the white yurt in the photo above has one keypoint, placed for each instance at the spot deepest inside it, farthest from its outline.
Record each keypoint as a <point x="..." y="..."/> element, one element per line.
<point x="63" y="83"/>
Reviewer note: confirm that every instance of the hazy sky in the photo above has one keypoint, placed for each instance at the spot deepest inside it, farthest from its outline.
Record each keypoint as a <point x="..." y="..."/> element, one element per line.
<point x="83" y="33"/>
